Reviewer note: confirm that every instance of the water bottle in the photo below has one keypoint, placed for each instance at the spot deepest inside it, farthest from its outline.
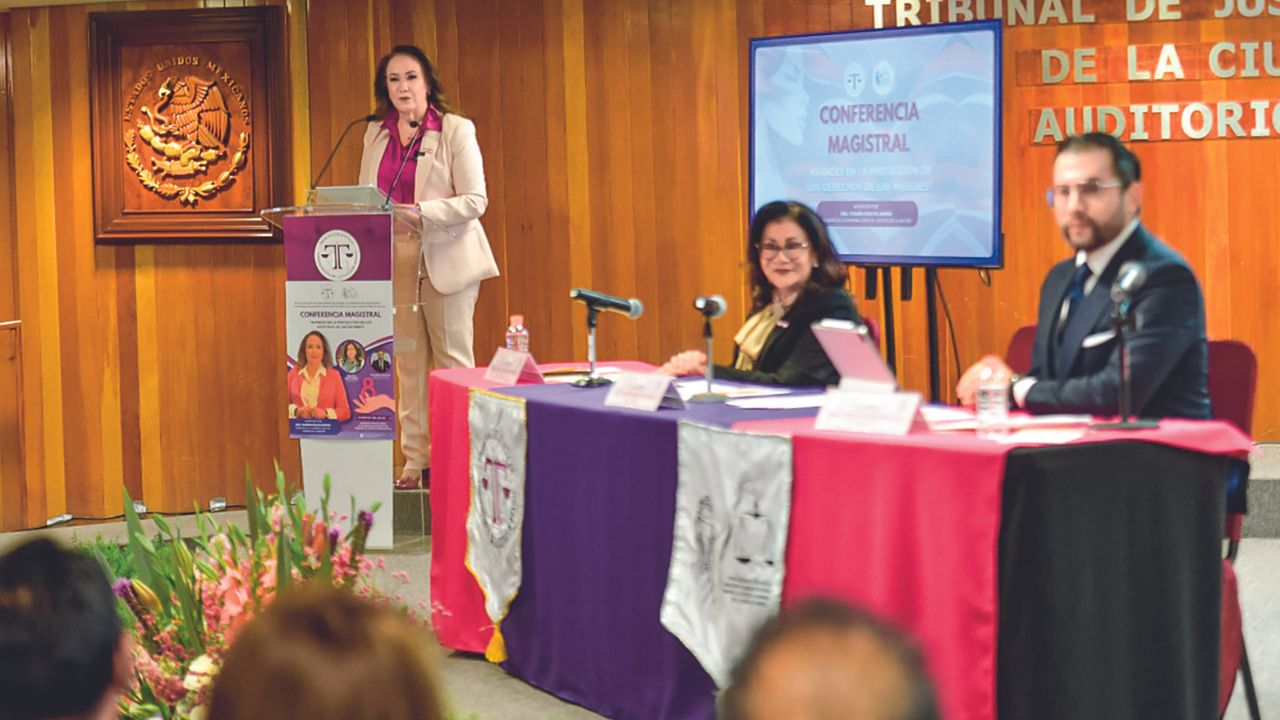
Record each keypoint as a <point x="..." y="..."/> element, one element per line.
<point x="517" y="334"/>
<point x="993" y="402"/>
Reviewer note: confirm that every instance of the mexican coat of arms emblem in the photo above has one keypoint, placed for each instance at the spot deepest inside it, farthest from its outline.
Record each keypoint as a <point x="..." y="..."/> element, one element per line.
<point x="179" y="141"/>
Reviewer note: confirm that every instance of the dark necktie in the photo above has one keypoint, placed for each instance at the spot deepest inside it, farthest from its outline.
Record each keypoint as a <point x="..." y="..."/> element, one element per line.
<point x="1075" y="295"/>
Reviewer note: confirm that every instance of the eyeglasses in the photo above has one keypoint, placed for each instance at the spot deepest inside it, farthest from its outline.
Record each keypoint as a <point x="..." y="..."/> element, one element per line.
<point x="792" y="250"/>
<point x="1086" y="191"/>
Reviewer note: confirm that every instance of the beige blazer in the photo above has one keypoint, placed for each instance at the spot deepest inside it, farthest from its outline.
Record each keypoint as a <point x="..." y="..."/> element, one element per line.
<point x="450" y="191"/>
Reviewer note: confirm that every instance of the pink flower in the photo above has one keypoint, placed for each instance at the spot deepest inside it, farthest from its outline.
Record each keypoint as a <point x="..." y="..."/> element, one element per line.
<point x="166" y="686"/>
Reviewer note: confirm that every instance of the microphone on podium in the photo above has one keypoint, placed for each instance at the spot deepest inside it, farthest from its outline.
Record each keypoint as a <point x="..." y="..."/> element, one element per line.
<point x="417" y="130"/>
<point x="329" y="160"/>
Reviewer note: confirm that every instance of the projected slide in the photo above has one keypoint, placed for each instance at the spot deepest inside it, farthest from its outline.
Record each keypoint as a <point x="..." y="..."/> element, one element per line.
<point x="893" y="136"/>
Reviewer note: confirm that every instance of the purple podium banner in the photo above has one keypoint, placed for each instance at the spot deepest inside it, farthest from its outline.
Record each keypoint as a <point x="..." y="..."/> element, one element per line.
<point x="339" y="351"/>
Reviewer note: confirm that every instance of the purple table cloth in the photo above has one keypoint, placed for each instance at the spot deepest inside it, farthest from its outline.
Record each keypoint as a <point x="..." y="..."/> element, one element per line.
<point x="599" y="514"/>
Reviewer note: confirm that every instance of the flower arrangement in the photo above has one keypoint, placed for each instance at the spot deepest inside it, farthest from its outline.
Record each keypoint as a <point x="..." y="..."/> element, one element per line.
<point x="189" y="597"/>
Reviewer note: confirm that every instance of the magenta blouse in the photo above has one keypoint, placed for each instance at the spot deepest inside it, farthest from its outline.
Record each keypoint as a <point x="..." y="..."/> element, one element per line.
<point x="396" y="152"/>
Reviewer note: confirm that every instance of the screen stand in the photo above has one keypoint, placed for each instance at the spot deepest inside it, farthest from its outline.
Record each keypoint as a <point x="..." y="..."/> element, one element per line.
<point x="888" y="333"/>
<point x="931" y="317"/>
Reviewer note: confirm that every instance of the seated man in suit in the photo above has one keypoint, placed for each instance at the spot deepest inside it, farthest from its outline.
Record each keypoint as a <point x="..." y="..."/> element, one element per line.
<point x="1096" y="199"/>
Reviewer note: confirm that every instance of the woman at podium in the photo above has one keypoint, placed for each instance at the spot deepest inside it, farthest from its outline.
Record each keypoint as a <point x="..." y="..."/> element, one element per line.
<point x="796" y="280"/>
<point x="423" y="153"/>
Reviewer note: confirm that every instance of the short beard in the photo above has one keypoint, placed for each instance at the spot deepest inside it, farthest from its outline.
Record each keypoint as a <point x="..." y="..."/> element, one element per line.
<point x="1098" y="236"/>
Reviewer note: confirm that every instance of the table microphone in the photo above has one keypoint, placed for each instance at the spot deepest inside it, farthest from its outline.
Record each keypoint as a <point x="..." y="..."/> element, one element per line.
<point x="632" y="308"/>
<point x="713" y="306"/>
<point x="1129" y="280"/>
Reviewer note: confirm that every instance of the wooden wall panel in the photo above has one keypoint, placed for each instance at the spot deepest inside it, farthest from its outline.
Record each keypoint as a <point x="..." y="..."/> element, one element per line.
<point x="37" y="255"/>
<point x="145" y="366"/>
<point x="12" y="482"/>
<point x="614" y="134"/>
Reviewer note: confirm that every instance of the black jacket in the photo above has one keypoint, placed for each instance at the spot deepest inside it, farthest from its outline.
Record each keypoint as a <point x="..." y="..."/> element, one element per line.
<point x="1168" y="354"/>
<point x="791" y="354"/>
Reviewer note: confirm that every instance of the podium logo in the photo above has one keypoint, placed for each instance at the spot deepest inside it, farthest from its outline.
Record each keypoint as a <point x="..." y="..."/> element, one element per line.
<point x="337" y="255"/>
<point x="187" y="110"/>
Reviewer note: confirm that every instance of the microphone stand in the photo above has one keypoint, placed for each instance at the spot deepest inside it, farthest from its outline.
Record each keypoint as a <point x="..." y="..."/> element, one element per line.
<point x="708" y="396"/>
<point x="417" y="130"/>
<point x="1121" y="320"/>
<point x="334" y="152"/>
<point x="592" y="379"/>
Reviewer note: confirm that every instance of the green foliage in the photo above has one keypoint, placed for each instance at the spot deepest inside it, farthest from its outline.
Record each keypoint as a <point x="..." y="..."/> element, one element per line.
<point x="186" y="596"/>
<point x="115" y="557"/>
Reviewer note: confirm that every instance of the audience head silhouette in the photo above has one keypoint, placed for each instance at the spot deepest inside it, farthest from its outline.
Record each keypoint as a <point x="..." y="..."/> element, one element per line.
<point x="322" y="653"/>
<point x="824" y="660"/>
<point x="63" y="653"/>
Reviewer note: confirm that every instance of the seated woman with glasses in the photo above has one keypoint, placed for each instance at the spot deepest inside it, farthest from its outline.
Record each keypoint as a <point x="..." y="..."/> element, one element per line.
<point x="796" y="280"/>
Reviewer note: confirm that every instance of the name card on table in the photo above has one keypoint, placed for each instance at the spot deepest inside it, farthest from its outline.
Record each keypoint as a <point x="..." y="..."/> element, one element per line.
<point x="513" y="367"/>
<point x="644" y="391"/>
<point x="878" y="413"/>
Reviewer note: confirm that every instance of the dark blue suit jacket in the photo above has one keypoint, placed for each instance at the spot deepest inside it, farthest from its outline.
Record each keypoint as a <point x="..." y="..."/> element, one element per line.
<point x="1168" y="353"/>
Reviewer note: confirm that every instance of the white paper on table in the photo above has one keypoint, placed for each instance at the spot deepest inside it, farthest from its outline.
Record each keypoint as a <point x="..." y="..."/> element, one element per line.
<point x="688" y="387"/>
<point x="779" y="402"/>
<point x="1042" y="436"/>
<point x="946" y="417"/>
<point x="555" y="377"/>
<point x="1018" y="422"/>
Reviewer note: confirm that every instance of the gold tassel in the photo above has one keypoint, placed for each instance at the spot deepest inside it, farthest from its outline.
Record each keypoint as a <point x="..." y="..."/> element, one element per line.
<point x="497" y="650"/>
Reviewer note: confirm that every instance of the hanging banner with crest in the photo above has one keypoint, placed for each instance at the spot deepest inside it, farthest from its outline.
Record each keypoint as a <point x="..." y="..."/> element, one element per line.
<point x="733" y="510"/>
<point x="495" y="520"/>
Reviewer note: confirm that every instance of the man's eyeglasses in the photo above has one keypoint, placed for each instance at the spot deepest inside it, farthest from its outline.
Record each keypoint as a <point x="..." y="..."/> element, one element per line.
<point x="792" y="250"/>
<point x="1086" y="191"/>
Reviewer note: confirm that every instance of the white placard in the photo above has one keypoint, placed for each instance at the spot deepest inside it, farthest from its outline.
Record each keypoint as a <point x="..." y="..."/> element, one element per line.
<point x="643" y="391"/>
<point x="874" y="412"/>
<point x="513" y="367"/>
